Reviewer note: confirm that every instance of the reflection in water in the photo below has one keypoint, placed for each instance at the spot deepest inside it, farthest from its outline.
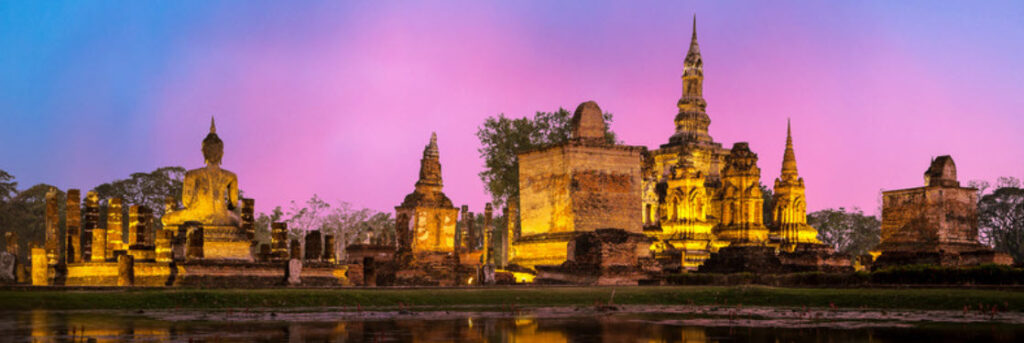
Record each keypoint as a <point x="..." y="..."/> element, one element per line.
<point x="44" y="326"/>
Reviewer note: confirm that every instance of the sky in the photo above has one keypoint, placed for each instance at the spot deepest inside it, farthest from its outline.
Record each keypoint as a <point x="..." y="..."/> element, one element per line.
<point x="339" y="98"/>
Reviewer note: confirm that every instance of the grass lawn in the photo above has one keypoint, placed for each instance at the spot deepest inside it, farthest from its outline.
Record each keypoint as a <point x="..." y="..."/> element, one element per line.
<point x="930" y="299"/>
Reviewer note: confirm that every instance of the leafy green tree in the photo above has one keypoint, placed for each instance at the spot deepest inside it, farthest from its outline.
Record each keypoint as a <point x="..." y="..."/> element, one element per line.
<point x="847" y="232"/>
<point x="262" y="224"/>
<point x="302" y="219"/>
<point x="1001" y="219"/>
<point x="8" y="187"/>
<point x="145" y="189"/>
<point x="503" y="138"/>
<point x="24" y="214"/>
<point x="769" y="203"/>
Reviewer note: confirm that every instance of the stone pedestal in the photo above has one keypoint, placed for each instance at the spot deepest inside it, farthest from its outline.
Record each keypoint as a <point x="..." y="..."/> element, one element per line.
<point x="73" y="227"/>
<point x="739" y="259"/>
<point x="226" y="243"/>
<point x="294" y="272"/>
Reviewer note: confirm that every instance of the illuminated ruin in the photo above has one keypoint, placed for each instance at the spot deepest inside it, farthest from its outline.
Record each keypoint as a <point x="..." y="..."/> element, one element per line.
<point x="582" y="185"/>
<point x="934" y="224"/>
<point x="209" y="242"/>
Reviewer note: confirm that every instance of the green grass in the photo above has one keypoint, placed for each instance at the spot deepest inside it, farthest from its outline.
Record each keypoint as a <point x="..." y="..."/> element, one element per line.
<point x="133" y="299"/>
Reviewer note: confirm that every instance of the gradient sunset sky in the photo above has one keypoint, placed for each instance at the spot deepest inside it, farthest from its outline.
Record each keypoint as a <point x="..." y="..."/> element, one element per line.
<point x="339" y="98"/>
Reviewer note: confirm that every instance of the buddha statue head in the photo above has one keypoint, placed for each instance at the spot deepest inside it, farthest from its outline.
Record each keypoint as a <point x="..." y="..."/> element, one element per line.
<point x="213" y="147"/>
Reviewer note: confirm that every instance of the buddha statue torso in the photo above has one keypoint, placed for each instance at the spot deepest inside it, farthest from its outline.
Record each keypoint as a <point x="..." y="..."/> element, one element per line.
<point x="209" y="194"/>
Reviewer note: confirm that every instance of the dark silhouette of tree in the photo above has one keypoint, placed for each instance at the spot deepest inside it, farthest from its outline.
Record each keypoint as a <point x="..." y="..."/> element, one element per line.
<point x="848" y="232"/>
<point x="1001" y="220"/>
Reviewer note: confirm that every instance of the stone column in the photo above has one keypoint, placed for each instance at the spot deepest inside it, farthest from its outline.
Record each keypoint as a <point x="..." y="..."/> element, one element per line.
<point x="513" y="218"/>
<point x="40" y="268"/>
<point x="115" y="233"/>
<point x="90" y="223"/>
<point x="125" y="270"/>
<point x="471" y="232"/>
<point x="73" y="227"/>
<point x="99" y="245"/>
<point x="487" y="229"/>
<point x="140" y="220"/>
<point x="460" y="230"/>
<point x="329" y="251"/>
<point x="279" y="241"/>
<point x="314" y="246"/>
<point x="52" y="244"/>
<point x="248" y="218"/>
<point x="296" y="250"/>
<point x="164" y="238"/>
<point x="133" y="226"/>
<point x="506" y="239"/>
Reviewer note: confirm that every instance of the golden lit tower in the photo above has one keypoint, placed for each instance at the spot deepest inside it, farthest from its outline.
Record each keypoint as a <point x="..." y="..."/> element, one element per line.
<point x="741" y="199"/>
<point x="685" y="223"/>
<point x="425" y="221"/>
<point x="790" y="212"/>
<point x="692" y="121"/>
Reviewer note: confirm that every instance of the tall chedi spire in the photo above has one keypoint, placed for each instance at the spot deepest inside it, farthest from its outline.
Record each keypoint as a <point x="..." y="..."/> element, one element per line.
<point x="430" y="165"/>
<point x="789" y="157"/>
<point x="692" y="121"/>
<point x="790" y="213"/>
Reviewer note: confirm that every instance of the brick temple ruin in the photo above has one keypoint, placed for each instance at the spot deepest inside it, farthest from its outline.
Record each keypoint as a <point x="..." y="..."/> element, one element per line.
<point x="934" y="224"/>
<point x="589" y="211"/>
<point x="208" y="242"/>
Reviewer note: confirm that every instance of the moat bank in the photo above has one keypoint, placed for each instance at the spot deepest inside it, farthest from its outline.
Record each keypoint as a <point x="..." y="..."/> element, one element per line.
<point x="511" y="298"/>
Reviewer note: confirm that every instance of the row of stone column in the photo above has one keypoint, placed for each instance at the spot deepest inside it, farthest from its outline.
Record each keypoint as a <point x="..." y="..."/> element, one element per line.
<point x="496" y="246"/>
<point x="84" y="239"/>
<point x="319" y="247"/>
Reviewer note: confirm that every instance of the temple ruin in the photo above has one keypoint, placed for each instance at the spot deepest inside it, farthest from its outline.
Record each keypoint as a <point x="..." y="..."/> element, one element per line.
<point x="933" y="224"/>
<point x="205" y="243"/>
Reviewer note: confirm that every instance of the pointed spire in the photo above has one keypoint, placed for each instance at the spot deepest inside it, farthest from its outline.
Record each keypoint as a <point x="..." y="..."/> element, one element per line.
<point x="694" y="47"/>
<point x="431" y="149"/>
<point x="693" y="40"/>
<point x="213" y="127"/>
<point x="789" y="157"/>
<point x="430" y="165"/>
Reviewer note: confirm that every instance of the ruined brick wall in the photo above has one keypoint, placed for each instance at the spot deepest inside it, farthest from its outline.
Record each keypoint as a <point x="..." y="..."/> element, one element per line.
<point x="925" y="217"/>
<point x="578" y="187"/>
<point x="544" y="192"/>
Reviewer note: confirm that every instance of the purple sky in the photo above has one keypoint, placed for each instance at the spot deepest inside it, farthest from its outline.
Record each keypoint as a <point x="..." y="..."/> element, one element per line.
<point x="339" y="99"/>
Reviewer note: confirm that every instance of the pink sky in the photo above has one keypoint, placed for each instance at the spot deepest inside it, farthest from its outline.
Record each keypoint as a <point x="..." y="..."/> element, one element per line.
<point x="339" y="99"/>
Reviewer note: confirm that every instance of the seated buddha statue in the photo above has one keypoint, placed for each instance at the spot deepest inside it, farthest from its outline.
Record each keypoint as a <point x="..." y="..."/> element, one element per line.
<point x="209" y="194"/>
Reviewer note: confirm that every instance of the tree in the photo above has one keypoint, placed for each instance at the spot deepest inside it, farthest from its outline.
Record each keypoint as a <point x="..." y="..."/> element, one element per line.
<point x="8" y="187"/>
<point x="24" y="214"/>
<point x="144" y="189"/>
<point x="262" y="224"/>
<point x="302" y="219"/>
<point x="769" y="204"/>
<point x="1001" y="219"/>
<point x="847" y="232"/>
<point x="503" y="138"/>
